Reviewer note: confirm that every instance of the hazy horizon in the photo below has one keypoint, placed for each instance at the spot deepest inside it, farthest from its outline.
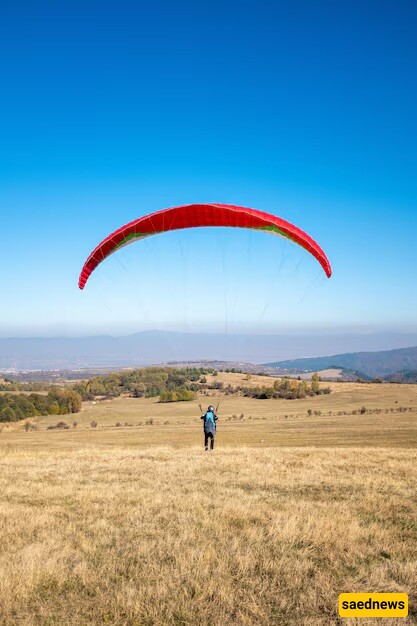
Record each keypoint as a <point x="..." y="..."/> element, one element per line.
<point x="156" y="347"/>
<point x="55" y="332"/>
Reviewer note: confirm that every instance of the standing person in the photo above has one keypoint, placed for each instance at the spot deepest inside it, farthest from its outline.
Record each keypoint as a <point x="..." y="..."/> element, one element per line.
<point x="209" y="424"/>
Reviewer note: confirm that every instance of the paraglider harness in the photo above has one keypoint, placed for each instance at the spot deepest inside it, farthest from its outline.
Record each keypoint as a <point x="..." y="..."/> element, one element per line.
<point x="210" y="418"/>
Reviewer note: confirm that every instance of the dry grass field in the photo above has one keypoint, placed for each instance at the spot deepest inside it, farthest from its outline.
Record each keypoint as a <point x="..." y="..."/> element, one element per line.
<point x="243" y="421"/>
<point x="135" y="524"/>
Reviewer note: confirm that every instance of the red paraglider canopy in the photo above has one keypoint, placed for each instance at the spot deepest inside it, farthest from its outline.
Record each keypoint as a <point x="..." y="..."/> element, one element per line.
<point x="198" y="215"/>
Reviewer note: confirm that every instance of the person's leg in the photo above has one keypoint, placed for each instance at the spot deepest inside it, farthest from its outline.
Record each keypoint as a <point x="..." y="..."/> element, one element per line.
<point x="206" y="441"/>
<point x="212" y="442"/>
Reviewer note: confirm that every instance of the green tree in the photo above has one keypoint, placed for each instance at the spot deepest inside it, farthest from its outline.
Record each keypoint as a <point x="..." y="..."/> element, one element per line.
<point x="315" y="383"/>
<point x="7" y="414"/>
<point x="139" y="390"/>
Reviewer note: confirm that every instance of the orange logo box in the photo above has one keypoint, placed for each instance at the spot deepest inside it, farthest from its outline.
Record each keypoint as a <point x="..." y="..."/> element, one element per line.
<point x="373" y="605"/>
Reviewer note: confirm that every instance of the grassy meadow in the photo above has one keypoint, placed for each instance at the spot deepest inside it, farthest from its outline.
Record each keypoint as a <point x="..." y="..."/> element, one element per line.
<point x="135" y="524"/>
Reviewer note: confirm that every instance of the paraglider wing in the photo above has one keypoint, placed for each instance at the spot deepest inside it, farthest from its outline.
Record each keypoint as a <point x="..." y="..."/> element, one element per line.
<point x="198" y="215"/>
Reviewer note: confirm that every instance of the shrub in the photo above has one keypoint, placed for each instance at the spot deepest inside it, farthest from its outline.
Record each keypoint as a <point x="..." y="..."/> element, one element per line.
<point x="180" y="395"/>
<point x="58" y="426"/>
<point x="216" y="385"/>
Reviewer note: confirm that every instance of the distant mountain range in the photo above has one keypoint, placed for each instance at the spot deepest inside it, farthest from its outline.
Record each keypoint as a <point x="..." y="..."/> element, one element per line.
<point x="152" y="347"/>
<point x="400" y="362"/>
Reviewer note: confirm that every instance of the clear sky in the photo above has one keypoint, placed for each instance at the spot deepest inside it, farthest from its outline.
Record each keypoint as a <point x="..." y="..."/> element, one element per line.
<point x="111" y="110"/>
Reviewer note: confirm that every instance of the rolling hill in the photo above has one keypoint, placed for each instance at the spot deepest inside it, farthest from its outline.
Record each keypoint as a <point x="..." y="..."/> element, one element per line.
<point x="407" y="376"/>
<point x="367" y="364"/>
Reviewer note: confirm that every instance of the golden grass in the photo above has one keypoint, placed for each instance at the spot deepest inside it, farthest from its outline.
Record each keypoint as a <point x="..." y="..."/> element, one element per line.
<point x="238" y="536"/>
<point x="137" y="525"/>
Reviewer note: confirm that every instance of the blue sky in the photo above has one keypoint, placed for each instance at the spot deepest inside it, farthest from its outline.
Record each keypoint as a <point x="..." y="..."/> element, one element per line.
<point x="111" y="110"/>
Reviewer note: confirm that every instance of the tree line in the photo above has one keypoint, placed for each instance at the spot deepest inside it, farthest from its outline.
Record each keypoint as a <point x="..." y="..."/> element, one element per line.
<point x="15" y="407"/>
<point x="181" y="384"/>
<point x="7" y="384"/>
<point x="170" y="384"/>
<point x="287" y="388"/>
